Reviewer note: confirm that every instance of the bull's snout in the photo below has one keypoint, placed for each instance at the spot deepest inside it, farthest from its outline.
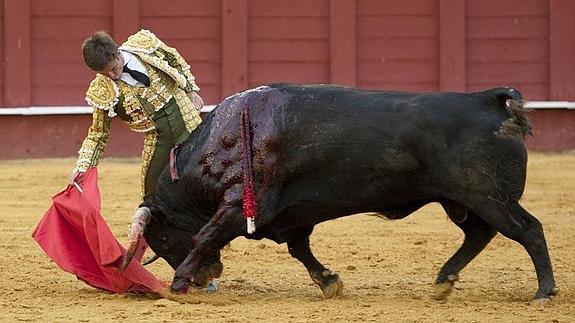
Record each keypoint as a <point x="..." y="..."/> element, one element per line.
<point x="180" y="285"/>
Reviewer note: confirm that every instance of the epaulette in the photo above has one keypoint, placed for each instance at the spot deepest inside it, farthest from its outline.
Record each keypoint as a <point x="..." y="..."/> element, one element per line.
<point x="143" y="41"/>
<point x="103" y="94"/>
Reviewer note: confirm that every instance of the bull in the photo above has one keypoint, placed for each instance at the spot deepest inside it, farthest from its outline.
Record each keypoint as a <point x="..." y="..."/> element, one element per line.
<point x="318" y="152"/>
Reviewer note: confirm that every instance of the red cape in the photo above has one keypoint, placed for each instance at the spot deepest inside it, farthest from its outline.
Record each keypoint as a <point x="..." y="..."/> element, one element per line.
<point x="75" y="236"/>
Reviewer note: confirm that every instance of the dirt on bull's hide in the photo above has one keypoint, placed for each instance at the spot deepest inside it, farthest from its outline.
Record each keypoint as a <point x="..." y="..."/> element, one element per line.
<point x="387" y="267"/>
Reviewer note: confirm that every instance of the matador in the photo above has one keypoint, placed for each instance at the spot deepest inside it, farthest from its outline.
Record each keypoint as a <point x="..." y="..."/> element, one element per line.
<point x="150" y="87"/>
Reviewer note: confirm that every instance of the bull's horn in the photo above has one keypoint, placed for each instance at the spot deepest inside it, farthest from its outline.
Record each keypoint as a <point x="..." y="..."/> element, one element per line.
<point x="129" y="255"/>
<point x="139" y="221"/>
<point x="150" y="260"/>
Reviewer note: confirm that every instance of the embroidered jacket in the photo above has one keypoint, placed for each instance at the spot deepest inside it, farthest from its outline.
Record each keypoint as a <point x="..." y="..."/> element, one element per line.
<point x="170" y="77"/>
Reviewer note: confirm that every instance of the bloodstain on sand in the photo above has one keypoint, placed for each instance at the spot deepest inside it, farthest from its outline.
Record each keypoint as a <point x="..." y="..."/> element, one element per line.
<point x="387" y="267"/>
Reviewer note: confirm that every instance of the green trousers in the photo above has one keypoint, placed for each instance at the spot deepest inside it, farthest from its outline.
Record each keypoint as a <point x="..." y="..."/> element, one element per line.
<point x="171" y="131"/>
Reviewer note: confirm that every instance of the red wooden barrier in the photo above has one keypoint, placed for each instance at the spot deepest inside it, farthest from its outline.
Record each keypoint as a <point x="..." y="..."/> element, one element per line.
<point x="419" y="45"/>
<point x="17" y="89"/>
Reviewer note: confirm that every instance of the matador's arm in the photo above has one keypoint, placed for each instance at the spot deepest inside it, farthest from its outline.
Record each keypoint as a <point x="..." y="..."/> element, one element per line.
<point x="95" y="142"/>
<point x="102" y="96"/>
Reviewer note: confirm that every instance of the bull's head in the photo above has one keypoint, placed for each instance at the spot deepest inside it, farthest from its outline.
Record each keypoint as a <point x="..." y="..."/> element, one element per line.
<point x="171" y="241"/>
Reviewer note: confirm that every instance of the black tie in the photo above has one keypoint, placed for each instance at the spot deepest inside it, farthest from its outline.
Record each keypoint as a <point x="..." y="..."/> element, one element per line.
<point x="138" y="76"/>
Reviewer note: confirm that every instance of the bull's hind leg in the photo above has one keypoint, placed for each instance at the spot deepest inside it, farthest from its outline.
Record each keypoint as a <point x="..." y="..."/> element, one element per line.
<point x="517" y="224"/>
<point x="329" y="282"/>
<point x="477" y="236"/>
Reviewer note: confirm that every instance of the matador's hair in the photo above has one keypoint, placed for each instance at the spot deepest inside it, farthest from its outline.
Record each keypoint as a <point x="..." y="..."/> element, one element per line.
<point x="99" y="50"/>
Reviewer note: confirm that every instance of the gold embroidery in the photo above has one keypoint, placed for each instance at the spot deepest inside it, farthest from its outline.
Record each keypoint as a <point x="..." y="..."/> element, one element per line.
<point x="143" y="41"/>
<point x="161" y="64"/>
<point x="131" y="102"/>
<point x="160" y="91"/>
<point x="95" y="142"/>
<point x="141" y="102"/>
<point x="189" y="113"/>
<point x="150" y="141"/>
<point x="103" y="94"/>
<point x="175" y="59"/>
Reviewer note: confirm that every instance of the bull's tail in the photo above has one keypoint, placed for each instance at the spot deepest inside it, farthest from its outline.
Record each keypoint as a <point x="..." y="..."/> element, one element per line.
<point x="518" y="123"/>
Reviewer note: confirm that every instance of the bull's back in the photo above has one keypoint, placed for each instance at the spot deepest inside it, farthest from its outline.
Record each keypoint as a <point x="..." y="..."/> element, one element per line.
<point x="356" y="151"/>
<point x="336" y="138"/>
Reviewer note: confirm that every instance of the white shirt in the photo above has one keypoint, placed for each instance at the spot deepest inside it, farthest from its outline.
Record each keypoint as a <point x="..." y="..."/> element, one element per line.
<point x="133" y="63"/>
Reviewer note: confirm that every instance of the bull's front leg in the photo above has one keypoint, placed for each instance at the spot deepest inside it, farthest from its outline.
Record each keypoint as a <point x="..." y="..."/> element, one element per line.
<point x="202" y="263"/>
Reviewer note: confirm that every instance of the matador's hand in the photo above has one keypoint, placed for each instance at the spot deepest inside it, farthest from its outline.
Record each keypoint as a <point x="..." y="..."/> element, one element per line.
<point x="196" y="100"/>
<point x="77" y="177"/>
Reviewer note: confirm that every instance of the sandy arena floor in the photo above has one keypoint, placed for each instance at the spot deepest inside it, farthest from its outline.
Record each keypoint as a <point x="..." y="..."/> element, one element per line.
<point x="387" y="267"/>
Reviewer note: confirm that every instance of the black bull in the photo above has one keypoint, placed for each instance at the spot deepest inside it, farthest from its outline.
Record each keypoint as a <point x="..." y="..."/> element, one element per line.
<point x="323" y="152"/>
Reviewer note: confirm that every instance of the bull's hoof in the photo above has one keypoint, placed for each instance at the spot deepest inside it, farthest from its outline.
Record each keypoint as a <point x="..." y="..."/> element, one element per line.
<point x="540" y="301"/>
<point x="443" y="290"/>
<point x="333" y="287"/>
<point x="545" y="296"/>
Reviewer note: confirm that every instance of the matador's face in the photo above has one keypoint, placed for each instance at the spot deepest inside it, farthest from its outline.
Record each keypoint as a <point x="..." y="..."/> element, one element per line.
<point x="115" y="68"/>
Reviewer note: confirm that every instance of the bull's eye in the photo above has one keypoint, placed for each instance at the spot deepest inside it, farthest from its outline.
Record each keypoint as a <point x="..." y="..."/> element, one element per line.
<point x="164" y="243"/>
